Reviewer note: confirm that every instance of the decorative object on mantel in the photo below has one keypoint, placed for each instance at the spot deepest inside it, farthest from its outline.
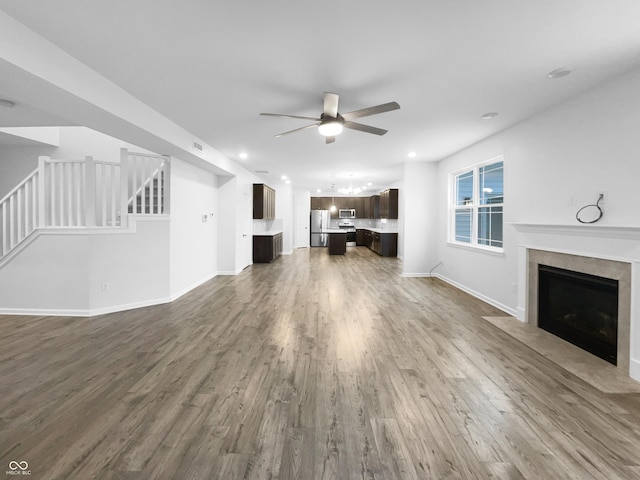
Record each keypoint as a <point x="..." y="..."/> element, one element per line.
<point x="590" y="213"/>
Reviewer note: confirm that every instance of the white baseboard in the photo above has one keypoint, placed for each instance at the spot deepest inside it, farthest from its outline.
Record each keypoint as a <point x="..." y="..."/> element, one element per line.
<point x="229" y="272"/>
<point x="416" y="275"/>
<point x="37" y="312"/>
<point x="484" y="298"/>
<point x="634" y="369"/>
<point x="52" y="312"/>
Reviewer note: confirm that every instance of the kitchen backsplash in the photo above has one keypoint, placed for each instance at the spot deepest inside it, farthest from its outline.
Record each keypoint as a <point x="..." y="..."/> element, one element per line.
<point x="261" y="226"/>
<point x="384" y="224"/>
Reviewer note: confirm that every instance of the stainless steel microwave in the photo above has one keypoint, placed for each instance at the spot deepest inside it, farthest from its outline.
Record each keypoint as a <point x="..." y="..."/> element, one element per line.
<point x="347" y="213"/>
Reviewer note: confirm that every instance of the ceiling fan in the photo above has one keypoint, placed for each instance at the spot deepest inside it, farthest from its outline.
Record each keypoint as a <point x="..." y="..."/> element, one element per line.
<point x="331" y="122"/>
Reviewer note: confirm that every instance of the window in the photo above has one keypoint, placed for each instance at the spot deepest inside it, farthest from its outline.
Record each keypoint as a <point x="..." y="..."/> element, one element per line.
<point x="477" y="204"/>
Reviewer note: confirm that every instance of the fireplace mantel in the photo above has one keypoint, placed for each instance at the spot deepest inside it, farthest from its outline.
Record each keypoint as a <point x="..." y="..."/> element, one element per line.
<point x="589" y="230"/>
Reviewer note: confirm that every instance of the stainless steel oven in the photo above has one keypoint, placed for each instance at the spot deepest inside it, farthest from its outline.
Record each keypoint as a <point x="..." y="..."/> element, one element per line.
<point x="350" y="228"/>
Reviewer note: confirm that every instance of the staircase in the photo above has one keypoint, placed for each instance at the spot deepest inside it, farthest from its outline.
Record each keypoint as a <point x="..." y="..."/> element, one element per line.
<point x="83" y="194"/>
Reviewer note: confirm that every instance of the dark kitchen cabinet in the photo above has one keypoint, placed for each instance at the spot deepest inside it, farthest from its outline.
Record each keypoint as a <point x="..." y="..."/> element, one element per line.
<point x="337" y="243"/>
<point x="358" y="205"/>
<point x="266" y="248"/>
<point x="387" y="245"/>
<point x="264" y="202"/>
<point x="389" y="203"/>
<point x="317" y="203"/>
<point x="374" y="202"/>
<point x="366" y="207"/>
<point x="384" y="244"/>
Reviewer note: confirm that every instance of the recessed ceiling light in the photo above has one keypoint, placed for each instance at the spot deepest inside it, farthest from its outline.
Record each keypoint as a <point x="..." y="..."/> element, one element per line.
<point x="369" y="184"/>
<point x="243" y="156"/>
<point x="283" y="177"/>
<point x="287" y="181"/>
<point x="7" y="103"/>
<point x="411" y="155"/>
<point x="319" y="190"/>
<point x="489" y="115"/>
<point x="558" y="73"/>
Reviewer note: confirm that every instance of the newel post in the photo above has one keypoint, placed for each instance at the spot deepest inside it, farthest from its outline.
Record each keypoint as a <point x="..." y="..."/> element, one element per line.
<point x="41" y="193"/>
<point x="124" y="187"/>
<point x="90" y="191"/>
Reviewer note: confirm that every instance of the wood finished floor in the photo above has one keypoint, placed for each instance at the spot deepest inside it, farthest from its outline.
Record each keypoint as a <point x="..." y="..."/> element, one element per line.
<point x="313" y="367"/>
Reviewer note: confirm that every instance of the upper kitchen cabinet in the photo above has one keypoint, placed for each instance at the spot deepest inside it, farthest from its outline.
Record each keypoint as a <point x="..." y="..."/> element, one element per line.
<point x="358" y="205"/>
<point x="389" y="203"/>
<point x="374" y="202"/>
<point x="264" y="202"/>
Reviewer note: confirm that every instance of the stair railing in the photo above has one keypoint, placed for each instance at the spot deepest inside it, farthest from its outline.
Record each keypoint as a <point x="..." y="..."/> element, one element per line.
<point x="84" y="193"/>
<point x="19" y="213"/>
<point x="147" y="179"/>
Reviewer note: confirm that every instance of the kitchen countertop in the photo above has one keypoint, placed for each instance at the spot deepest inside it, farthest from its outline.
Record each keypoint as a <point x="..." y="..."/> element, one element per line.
<point x="380" y="230"/>
<point x="334" y="230"/>
<point x="268" y="233"/>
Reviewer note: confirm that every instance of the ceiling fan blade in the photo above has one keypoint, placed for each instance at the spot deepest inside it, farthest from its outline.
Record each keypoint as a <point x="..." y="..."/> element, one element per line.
<point x="298" y="129"/>
<point x="365" y="112"/>
<point x="289" y="116"/>
<point x="328" y="140"/>
<point x="364" y="128"/>
<point x="330" y="104"/>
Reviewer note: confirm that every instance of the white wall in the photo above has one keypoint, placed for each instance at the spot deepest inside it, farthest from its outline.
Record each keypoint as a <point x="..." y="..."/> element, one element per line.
<point x="580" y="148"/>
<point x="284" y="212"/>
<point x="301" y="220"/>
<point x="226" y="225"/>
<point x="16" y="162"/>
<point x="418" y="227"/>
<point x="133" y="267"/>
<point x="193" y="239"/>
<point x="64" y="273"/>
<point x="50" y="276"/>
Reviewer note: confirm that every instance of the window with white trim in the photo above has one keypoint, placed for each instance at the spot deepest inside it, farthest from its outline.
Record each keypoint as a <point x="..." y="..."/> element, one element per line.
<point x="477" y="205"/>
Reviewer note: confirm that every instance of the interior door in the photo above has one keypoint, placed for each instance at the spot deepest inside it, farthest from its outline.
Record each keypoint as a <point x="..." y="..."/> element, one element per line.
<point x="245" y="251"/>
<point x="301" y="219"/>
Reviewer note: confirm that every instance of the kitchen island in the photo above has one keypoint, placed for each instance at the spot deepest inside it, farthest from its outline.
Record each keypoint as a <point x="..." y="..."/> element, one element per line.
<point x="337" y="241"/>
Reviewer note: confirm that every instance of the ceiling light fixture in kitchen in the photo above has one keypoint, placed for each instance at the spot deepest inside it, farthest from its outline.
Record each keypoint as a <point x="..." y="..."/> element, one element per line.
<point x="243" y="156"/>
<point x="489" y="116"/>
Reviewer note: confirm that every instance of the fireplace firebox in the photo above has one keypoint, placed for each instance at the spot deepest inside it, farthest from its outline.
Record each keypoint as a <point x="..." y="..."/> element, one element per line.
<point x="580" y="308"/>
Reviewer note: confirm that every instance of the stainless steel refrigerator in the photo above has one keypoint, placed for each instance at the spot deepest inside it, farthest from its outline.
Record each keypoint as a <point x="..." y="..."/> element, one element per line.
<point x="320" y="221"/>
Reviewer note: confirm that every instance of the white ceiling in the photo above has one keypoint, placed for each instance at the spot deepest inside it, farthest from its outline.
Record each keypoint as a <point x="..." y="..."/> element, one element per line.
<point x="213" y="66"/>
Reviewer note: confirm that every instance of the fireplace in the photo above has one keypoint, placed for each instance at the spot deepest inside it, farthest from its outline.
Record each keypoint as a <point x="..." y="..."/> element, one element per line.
<point x="601" y="269"/>
<point x="580" y="308"/>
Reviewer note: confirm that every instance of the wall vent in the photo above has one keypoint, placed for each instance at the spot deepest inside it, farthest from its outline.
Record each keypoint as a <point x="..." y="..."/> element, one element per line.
<point x="197" y="146"/>
<point x="262" y="171"/>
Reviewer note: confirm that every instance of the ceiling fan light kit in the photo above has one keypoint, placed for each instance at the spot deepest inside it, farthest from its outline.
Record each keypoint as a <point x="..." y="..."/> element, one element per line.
<point x="330" y="129"/>
<point x="331" y="123"/>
